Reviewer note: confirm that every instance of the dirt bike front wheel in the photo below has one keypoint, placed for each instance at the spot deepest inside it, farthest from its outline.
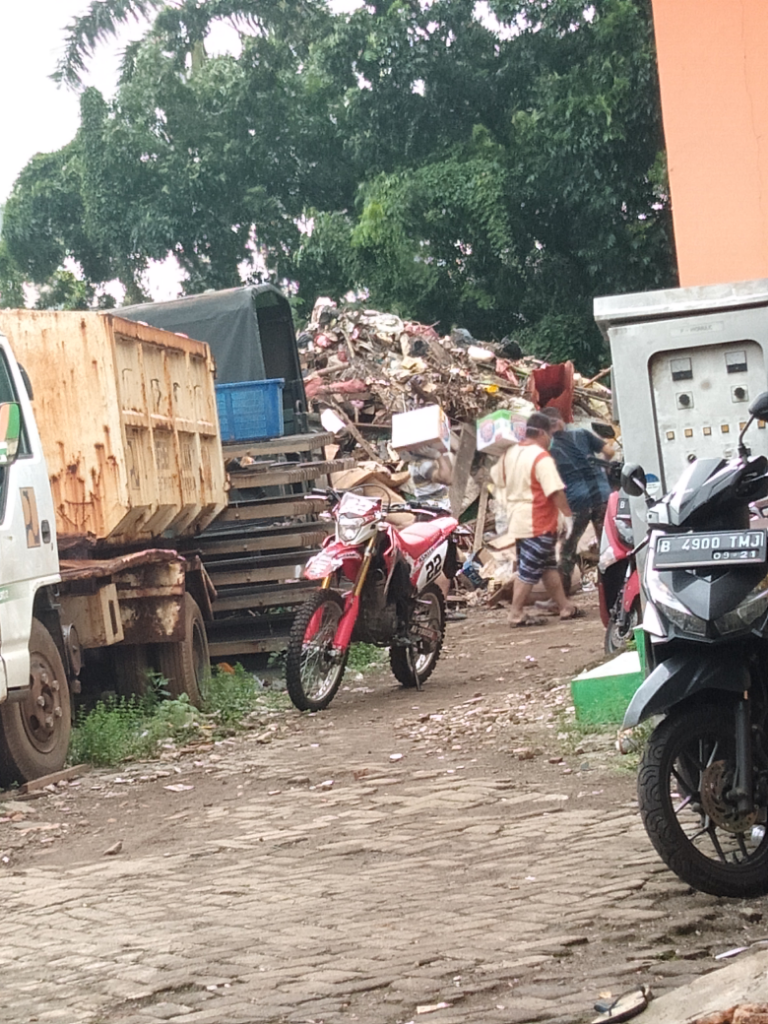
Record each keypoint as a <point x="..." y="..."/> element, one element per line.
<point x="414" y="664"/>
<point x="313" y="668"/>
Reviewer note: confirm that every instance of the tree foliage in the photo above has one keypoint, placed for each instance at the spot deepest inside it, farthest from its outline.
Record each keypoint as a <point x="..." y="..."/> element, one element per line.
<point x="493" y="176"/>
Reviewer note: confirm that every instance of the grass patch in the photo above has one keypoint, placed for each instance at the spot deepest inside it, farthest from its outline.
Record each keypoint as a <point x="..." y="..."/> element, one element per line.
<point x="572" y="733"/>
<point x="123" y="729"/>
<point x="120" y="729"/>
<point x="363" y="656"/>
<point x="230" y="695"/>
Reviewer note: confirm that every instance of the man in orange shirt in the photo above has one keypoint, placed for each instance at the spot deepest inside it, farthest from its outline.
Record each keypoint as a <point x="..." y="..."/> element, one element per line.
<point x="533" y="494"/>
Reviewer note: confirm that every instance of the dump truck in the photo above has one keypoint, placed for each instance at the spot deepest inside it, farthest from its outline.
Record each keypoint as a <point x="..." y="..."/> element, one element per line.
<point x="119" y="515"/>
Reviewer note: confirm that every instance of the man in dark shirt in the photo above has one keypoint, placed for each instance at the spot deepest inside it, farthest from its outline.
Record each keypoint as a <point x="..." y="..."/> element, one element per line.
<point x="586" y="485"/>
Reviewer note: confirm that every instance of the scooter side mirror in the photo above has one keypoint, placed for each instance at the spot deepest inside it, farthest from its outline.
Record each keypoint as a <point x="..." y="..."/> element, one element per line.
<point x="633" y="480"/>
<point x="759" y="408"/>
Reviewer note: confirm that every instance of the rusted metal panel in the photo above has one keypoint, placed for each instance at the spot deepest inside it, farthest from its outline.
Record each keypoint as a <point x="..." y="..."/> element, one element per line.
<point x="143" y="592"/>
<point x="127" y="418"/>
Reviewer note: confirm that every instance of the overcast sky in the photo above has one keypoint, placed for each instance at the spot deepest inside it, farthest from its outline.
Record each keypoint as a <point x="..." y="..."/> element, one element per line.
<point x="37" y="116"/>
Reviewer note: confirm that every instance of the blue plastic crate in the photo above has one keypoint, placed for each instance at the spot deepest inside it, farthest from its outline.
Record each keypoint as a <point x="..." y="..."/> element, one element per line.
<point x="250" y="410"/>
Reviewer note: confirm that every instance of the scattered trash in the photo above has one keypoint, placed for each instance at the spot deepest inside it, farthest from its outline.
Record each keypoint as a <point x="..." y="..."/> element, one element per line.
<point x="114" y="849"/>
<point x="628" y="1005"/>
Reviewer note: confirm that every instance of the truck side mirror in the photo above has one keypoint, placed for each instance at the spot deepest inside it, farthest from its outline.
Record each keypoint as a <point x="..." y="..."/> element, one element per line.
<point x="759" y="408"/>
<point x="633" y="480"/>
<point x="10" y="432"/>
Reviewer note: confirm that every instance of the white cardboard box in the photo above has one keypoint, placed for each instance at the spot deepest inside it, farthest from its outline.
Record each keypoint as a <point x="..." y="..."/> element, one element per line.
<point x="499" y="431"/>
<point x="424" y="433"/>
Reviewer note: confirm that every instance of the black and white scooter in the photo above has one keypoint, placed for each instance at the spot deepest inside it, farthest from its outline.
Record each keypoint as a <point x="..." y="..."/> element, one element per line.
<point x="703" y="781"/>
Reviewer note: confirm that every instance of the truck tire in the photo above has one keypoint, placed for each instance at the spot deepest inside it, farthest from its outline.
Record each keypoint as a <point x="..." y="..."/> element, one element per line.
<point x="34" y="733"/>
<point x="130" y="666"/>
<point x="186" y="664"/>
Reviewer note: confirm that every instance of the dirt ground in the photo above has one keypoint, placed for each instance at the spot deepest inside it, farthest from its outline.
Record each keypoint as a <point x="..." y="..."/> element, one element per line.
<point x="596" y="910"/>
<point x="499" y="696"/>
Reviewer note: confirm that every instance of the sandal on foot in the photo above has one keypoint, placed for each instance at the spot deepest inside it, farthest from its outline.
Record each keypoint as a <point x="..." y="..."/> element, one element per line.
<point x="529" y="621"/>
<point x="578" y="613"/>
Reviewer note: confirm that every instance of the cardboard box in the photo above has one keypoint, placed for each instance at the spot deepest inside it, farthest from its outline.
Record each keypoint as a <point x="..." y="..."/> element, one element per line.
<point x="421" y="433"/>
<point x="498" y="431"/>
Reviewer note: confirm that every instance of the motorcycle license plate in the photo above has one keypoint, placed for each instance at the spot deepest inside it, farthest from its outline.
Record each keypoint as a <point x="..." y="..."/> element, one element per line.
<point x="694" y="550"/>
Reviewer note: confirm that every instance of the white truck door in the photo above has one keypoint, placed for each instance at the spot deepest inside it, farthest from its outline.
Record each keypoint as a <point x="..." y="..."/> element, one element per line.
<point x="28" y="553"/>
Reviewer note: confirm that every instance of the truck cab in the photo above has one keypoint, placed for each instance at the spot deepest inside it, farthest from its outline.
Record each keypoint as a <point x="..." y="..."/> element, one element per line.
<point x="35" y="711"/>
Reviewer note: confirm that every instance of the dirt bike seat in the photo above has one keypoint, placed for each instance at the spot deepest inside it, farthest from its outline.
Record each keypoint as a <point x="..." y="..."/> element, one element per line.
<point x="419" y="537"/>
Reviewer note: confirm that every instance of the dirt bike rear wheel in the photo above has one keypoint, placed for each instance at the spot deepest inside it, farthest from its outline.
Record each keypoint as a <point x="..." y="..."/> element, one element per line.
<point x="413" y="665"/>
<point x="313" y="671"/>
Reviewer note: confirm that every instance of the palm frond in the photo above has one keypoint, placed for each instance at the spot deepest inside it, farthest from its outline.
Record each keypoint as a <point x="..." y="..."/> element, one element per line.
<point x="100" y="21"/>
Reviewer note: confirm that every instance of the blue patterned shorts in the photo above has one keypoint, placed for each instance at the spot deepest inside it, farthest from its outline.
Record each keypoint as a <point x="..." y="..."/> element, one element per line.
<point x="534" y="556"/>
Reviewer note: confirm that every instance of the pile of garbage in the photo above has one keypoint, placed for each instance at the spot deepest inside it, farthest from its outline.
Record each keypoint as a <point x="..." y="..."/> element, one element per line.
<point x="375" y="364"/>
<point x="362" y="367"/>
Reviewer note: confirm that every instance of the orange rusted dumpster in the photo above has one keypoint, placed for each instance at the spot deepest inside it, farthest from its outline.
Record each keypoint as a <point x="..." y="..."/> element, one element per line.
<point x="127" y="417"/>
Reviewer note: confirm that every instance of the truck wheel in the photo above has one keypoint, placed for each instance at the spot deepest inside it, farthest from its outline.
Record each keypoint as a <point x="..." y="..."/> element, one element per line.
<point x="187" y="664"/>
<point x="130" y="665"/>
<point x="34" y="733"/>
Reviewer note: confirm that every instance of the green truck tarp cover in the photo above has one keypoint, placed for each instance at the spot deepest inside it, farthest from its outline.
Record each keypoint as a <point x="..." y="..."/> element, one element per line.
<point x="250" y="331"/>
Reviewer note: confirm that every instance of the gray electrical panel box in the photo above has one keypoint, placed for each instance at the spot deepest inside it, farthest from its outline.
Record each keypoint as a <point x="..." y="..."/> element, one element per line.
<point x="687" y="363"/>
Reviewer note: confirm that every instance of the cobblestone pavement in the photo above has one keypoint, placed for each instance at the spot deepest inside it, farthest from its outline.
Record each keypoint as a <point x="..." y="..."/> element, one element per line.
<point x="292" y="883"/>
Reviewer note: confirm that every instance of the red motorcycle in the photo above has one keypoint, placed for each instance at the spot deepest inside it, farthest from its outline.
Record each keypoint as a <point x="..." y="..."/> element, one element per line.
<point x="618" y="581"/>
<point x="394" y="600"/>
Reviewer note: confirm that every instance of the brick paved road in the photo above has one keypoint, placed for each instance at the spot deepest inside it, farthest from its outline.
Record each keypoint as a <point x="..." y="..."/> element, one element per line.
<point x="262" y="896"/>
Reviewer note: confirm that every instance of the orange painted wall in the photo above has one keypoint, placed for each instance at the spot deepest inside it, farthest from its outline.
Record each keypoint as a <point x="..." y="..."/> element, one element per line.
<point x="713" y="68"/>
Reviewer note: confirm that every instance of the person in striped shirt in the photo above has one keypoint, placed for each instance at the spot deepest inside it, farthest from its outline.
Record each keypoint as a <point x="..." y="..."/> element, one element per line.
<point x="528" y="483"/>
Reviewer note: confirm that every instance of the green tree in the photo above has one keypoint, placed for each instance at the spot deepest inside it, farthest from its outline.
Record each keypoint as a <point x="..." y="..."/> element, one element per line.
<point x="493" y="178"/>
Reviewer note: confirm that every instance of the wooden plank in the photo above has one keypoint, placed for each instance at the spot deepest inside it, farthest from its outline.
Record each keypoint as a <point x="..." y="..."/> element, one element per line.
<point x="462" y="467"/>
<point x="482" y="512"/>
<point x="287" y="473"/>
<point x="67" y="773"/>
<point x="264" y="542"/>
<point x="231" y="648"/>
<point x="260" y="574"/>
<point x="277" y="508"/>
<point x="267" y="596"/>
<point x="369" y="451"/>
<point x="277" y="445"/>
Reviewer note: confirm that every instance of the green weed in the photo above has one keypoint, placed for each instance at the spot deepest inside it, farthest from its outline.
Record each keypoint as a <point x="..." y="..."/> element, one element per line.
<point x="121" y="729"/>
<point x="363" y="656"/>
<point x="228" y="697"/>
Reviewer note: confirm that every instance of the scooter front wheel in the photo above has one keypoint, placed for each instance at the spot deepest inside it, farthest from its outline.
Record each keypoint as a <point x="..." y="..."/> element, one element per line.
<point x="616" y="635"/>
<point x="683" y="789"/>
<point x="313" y="668"/>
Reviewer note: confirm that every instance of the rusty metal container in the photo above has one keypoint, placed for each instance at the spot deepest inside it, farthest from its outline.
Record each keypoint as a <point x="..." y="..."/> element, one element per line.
<point x="127" y="417"/>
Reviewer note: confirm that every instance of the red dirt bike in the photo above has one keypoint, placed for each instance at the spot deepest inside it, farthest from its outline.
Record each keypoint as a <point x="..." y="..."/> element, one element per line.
<point x="394" y="600"/>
